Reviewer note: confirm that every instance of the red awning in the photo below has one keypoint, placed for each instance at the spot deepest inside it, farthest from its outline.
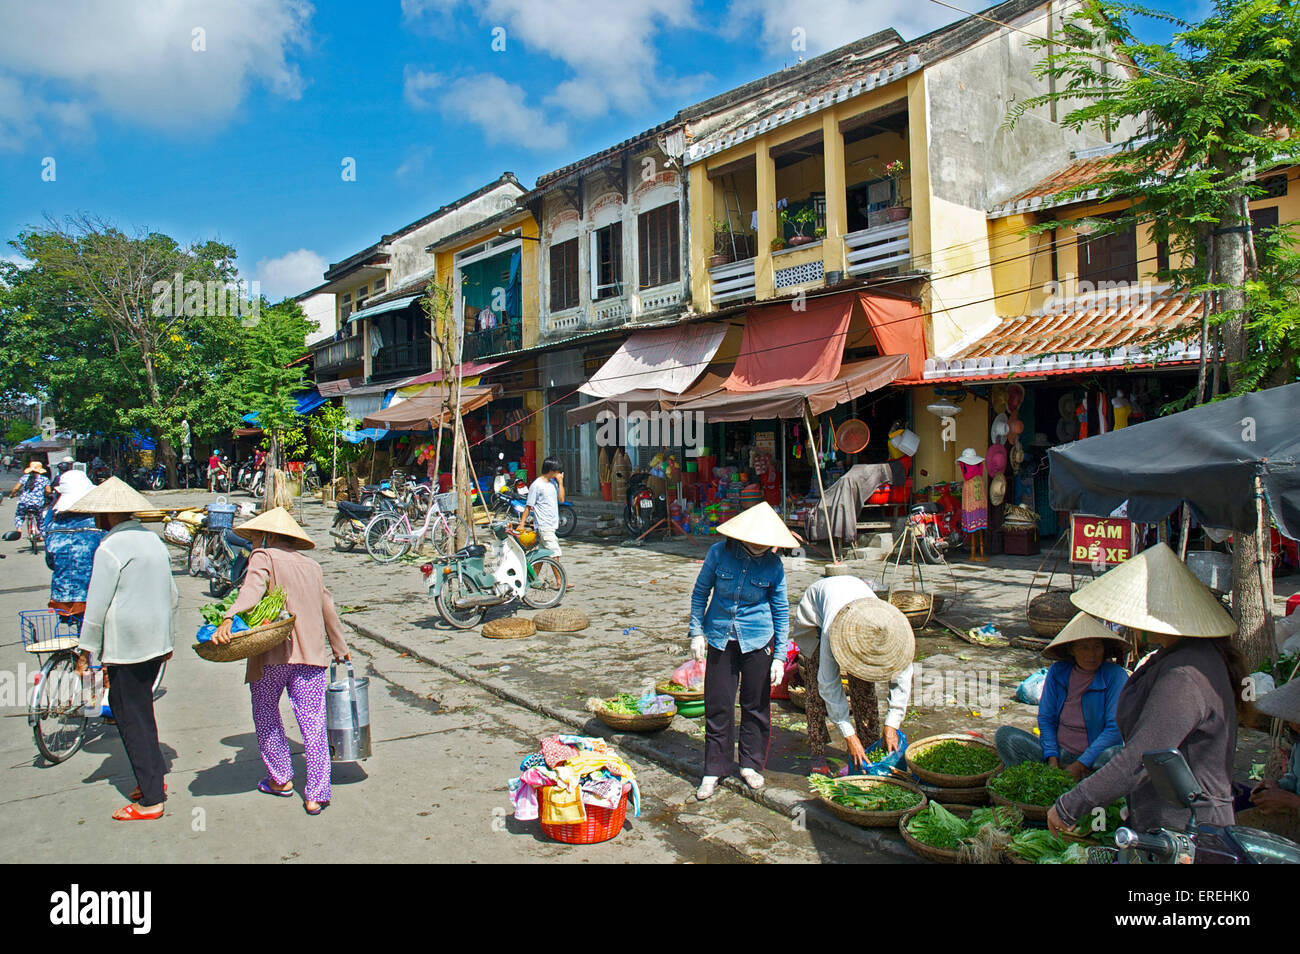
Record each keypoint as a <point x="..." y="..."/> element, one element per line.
<point x="470" y="369"/>
<point x="783" y="346"/>
<point x="898" y="328"/>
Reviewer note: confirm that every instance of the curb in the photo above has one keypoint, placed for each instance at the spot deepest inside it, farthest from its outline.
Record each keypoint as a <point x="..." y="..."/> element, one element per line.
<point x="786" y="801"/>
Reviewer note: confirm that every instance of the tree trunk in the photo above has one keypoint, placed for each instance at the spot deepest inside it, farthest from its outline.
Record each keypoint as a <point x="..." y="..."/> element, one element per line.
<point x="167" y="453"/>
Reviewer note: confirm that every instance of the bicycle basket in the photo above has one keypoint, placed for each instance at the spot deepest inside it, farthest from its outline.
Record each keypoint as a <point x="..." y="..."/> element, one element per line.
<point x="221" y="515"/>
<point x="46" y="631"/>
<point x="448" y="502"/>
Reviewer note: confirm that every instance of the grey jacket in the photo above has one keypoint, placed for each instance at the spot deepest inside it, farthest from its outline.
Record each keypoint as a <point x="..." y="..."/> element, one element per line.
<point x="131" y="598"/>
<point x="1182" y="698"/>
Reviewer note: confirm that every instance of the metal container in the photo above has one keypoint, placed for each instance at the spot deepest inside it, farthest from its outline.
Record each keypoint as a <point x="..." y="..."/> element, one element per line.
<point x="1212" y="568"/>
<point x="347" y="712"/>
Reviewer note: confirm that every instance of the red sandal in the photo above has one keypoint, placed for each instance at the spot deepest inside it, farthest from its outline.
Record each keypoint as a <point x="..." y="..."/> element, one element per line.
<point x="132" y="813"/>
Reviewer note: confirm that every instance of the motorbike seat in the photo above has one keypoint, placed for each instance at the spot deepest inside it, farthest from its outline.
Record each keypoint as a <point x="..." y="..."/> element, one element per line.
<point x="238" y="542"/>
<point x="473" y="550"/>
<point x="925" y="508"/>
<point x="355" y="510"/>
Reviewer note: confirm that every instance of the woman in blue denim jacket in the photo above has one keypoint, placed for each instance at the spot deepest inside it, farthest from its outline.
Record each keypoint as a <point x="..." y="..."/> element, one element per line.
<point x="743" y="635"/>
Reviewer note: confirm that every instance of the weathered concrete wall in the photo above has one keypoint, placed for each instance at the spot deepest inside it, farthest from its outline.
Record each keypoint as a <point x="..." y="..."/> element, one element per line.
<point x="407" y="254"/>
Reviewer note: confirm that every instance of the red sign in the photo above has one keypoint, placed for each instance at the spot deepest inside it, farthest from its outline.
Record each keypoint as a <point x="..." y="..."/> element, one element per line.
<point x="1100" y="540"/>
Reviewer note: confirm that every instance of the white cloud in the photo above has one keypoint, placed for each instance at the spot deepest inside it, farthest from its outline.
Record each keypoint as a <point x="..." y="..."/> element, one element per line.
<point x="487" y="101"/>
<point x="416" y="85"/>
<point x="290" y="274"/>
<point x="827" y="24"/>
<point x="414" y="163"/>
<point x="73" y="59"/>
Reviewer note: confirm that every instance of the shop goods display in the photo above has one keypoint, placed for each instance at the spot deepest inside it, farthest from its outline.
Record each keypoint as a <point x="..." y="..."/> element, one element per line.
<point x="953" y="761"/>
<point x="865" y="800"/>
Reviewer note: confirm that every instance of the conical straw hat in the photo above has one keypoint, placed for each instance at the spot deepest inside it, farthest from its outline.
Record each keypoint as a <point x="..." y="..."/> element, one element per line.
<point x="1081" y="627"/>
<point x="112" y="496"/>
<point x="1283" y="702"/>
<point x="759" y="525"/>
<point x="279" y="522"/>
<point x="1154" y="591"/>
<point x="872" y="639"/>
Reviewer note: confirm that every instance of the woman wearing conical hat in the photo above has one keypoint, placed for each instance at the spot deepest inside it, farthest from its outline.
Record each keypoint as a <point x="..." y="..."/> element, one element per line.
<point x="740" y="624"/>
<point x="1187" y="695"/>
<point x="297" y="665"/>
<point x="1275" y="800"/>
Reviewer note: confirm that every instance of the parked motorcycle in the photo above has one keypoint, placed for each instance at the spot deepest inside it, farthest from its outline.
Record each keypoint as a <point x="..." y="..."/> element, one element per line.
<point x="349" y="528"/>
<point x="509" y="502"/>
<point x="644" y="508"/>
<point x="224" y="560"/>
<point x="464" y="584"/>
<point x="1195" y="844"/>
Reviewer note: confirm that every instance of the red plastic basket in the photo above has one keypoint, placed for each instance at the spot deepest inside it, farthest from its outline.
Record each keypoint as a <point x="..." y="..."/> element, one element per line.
<point x="602" y="824"/>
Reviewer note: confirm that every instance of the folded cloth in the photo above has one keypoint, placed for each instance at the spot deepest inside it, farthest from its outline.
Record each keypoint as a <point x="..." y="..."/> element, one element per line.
<point x="524" y="797"/>
<point x="532" y="761"/>
<point x="556" y="752"/>
<point x="538" y="777"/>
<point x="604" y="793"/>
<point x="562" y="806"/>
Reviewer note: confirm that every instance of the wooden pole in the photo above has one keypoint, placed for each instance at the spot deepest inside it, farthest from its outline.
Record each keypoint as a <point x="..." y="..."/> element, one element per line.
<point x="1182" y="536"/>
<point x="821" y="489"/>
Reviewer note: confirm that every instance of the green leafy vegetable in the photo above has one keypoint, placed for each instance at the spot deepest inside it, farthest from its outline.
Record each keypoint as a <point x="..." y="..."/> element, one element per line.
<point x="938" y="827"/>
<point x="1032" y="783"/>
<point x="866" y="798"/>
<point x="953" y="757"/>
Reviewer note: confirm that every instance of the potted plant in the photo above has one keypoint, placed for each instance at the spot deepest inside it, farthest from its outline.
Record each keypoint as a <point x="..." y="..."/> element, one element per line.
<point x="803" y="219"/>
<point x="820" y="232"/>
<point x="778" y="243"/>
<point x="722" y="242"/>
<point x="897" y="212"/>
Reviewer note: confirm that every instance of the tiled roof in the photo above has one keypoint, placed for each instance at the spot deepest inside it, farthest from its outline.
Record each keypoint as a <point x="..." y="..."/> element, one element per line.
<point x="1109" y="329"/>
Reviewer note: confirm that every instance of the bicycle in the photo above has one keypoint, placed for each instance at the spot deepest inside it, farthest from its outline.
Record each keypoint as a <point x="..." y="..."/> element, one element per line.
<point x="61" y="697"/>
<point x="311" y="479"/>
<point x="389" y="536"/>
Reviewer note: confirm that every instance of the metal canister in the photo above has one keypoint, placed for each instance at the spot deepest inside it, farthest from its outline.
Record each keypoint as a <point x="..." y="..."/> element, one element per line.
<point x="347" y="712"/>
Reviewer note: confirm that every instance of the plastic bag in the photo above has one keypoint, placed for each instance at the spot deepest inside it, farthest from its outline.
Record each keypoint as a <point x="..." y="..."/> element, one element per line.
<point x="689" y="674"/>
<point x="653" y="704"/>
<point x="884" y="766"/>
<point x="1030" y="689"/>
<point x="204" y="635"/>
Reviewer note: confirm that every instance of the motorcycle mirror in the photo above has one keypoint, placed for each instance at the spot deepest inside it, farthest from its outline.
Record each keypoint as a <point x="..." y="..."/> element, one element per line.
<point x="1172" y="777"/>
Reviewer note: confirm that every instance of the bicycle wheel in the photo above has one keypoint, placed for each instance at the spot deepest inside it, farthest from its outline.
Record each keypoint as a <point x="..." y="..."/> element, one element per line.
<point x="452" y="590"/>
<point x="219" y="564"/>
<point x="387" y="538"/>
<point x="442" y="536"/>
<point x="546" y="583"/>
<point x="158" y="680"/>
<point x="58" y="724"/>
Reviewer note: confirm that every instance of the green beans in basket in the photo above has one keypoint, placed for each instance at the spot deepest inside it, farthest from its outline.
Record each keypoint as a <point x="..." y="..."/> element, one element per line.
<point x="267" y="610"/>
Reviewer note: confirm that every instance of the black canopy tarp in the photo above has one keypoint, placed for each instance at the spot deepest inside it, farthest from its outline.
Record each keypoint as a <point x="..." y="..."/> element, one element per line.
<point x="1207" y="457"/>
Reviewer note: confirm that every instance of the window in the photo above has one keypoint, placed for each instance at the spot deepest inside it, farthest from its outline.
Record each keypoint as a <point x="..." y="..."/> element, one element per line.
<point x="380" y="285"/>
<point x="607" y="261"/>
<point x="659" y="246"/>
<point x="1109" y="258"/>
<point x="345" y="307"/>
<point x="564" y="275"/>
<point x="361" y="297"/>
<point x="1261" y="220"/>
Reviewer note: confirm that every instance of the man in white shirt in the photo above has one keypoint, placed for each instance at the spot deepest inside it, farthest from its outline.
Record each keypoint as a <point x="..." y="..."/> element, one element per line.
<point x="811" y="626"/>
<point x="545" y="495"/>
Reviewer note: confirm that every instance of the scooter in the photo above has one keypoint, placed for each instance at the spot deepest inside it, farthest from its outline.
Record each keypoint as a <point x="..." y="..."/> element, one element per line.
<point x="1195" y="844"/>
<point x="228" y="564"/>
<point x="510" y="501"/>
<point x="644" y="507"/>
<point x="464" y="584"/>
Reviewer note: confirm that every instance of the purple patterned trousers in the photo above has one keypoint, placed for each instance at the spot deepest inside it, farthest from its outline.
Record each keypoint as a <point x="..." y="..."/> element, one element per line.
<point x="306" y="686"/>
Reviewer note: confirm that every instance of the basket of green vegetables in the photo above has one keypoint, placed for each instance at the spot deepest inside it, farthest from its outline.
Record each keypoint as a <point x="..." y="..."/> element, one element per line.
<point x="1036" y="846"/>
<point x="679" y="692"/>
<point x="961" y="834"/>
<point x="623" y="712"/>
<point x="1031" y="787"/>
<point x="269" y="625"/>
<point x="953" y="760"/>
<point x="866" y="800"/>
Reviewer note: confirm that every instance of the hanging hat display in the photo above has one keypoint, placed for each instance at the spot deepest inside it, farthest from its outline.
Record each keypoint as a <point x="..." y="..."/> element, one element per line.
<point x="997" y="489"/>
<point x="998" y="399"/>
<point x="1017" y="456"/>
<point x="1000" y="429"/>
<point x="995" y="460"/>
<point x="1015" y="397"/>
<point x="1154" y="591"/>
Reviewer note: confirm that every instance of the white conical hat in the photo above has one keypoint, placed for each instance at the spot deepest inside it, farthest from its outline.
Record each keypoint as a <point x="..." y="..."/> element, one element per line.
<point x="1081" y="627"/>
<point x="279" y="522"/>
<point x="872" y="639"/>
<point x="759" y="525"/>
<point x="72" y="487"/>
<point x="1154" y="591"/>
<point x="112" y="496"/>
<point x="1283" y="702"/>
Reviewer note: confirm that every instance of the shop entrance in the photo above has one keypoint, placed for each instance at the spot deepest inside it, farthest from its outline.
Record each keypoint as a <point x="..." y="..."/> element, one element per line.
<point x="564" y="442"/>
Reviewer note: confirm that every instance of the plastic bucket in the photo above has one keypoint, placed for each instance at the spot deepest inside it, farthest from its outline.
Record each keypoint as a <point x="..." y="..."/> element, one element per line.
<point x="906" y="443"/>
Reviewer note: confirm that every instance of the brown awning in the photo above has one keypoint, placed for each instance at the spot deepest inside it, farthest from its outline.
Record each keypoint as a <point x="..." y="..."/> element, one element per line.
<point x="854" y="380"/>
<point x="647" y="400"/>
<point x="422" y="412"/>
<point x="787" y="347"/>
<point x="661" y="359"/>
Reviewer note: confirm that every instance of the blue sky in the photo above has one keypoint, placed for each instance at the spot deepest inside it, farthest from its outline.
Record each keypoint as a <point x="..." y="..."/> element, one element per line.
<point x="231" y="119"/>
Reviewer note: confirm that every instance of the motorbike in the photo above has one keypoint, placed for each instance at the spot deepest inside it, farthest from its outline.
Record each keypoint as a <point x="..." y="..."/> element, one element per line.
<point x="349" y="528"/>
<point x="464" y="584"/>
<point x="644" y="507"/>
<point x="1196" y="843"/>
<point x="149" y="478"/>
<point x="227" y="563"/>
<point x="100" y="473"/>
<point x="509" y="502"/>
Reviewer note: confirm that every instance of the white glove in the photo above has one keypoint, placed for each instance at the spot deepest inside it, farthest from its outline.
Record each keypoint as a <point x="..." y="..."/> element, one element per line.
<point x="699" y="646"/>
<point x="778" y="671"/>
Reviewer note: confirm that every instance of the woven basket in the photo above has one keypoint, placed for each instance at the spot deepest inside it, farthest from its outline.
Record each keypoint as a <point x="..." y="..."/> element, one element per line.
<point x="249" y="643"/>
<point x="509" y="627"/>
<point x="871" y="819"/>
<point x="560" y="620"/>
<point x="799" y="698"/>
<point x="1049" y="612"/>
<point x="916" y="606"/>
<point x="602" y="824"/>
<point x="939" y="779"/>
<point x="948" y="797"/>
<point x="1034" y="813"/>
<point x="943" y="856"/>
<point x="689" y="695"/>
<point x="623" y="722"/>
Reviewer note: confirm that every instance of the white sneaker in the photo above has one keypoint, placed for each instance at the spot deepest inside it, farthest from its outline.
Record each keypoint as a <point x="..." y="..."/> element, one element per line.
<point x="708" y="785"/>
<point x="752" y="778"/>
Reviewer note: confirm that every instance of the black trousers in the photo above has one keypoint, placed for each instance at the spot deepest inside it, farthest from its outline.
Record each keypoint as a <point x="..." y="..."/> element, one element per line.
<point x="727" y="669"/>
<point x="130" y="695"/>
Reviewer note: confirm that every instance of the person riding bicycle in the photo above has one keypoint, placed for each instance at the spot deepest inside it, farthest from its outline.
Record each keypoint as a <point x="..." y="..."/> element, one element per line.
<point x="32" y="491"/>
<point x="70" y="543"/>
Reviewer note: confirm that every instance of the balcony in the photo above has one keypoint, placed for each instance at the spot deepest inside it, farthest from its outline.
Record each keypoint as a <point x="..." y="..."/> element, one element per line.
<point x="878" y="248"/>
<point x="489" y="341"/>
<point x="731" y="282"/>
<point x="405" y="357"/>
<point x="332" y="355"/>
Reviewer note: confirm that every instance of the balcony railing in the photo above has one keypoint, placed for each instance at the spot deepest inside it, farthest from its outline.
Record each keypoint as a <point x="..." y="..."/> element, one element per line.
<point x="403" y="357"/>
<point x="493" y="340"/>
<point x="878" y="248"/>
<point x="732" y="282"/>
<point x="329" y="355"/>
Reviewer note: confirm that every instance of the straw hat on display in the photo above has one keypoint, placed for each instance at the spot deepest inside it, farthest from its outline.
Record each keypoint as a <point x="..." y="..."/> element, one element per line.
<point x="35" y="467"/>
<point x="970" y="458"/>
<point x="112" y="496"/>
<point x="1080" y="628"/>
<point x="1283" y="702"/>
<point x="997" y="489"/>
<point x="277" y="522"/>
<point x="1154" y="591"/>
<point x="761" y="526"/>
<point x="872" y="640"/>
<point x="72" y="487"/>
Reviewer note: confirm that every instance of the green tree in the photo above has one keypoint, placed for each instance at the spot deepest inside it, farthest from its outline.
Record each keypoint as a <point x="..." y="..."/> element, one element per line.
<point x="1214" y="106"/>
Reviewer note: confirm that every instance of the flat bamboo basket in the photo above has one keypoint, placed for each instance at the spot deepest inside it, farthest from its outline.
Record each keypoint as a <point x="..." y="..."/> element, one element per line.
<point x="865" y="819"/>
<point x="689" y="695"/>
<point x="249" y="643"/>
<point x="624" y="722"/>
<point x="943" y="856"/>
<point x="1034" y="813"/>
<point x="939" y="779"/>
